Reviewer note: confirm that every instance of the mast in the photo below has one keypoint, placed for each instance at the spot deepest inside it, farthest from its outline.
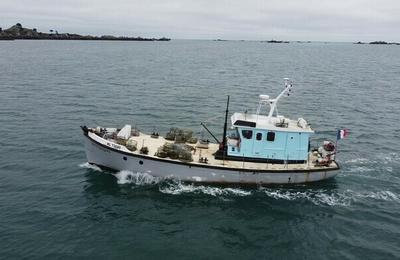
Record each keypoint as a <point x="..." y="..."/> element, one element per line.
<point x="223" y="146"/>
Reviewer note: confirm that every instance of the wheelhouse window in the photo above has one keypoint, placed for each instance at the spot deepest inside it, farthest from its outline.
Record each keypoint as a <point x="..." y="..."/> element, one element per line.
<point x="259" y="136"/>
<point x="271" y="136"/>
<point x="248" y="134"/>
<point x="233" y="134"/>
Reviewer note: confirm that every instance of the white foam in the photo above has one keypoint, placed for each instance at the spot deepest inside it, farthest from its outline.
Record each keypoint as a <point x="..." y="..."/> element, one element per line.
<point x="332" y="199"/>
<point x="324" y="197"/>
<point x="360" y="169"/>
<point x="287" y="195"/>
<point x="196" y="178"/>
<point x="90" y="166"/>
<point x="177" y="188"/>
<point x="317" y="197"/>
<point x="358" y="160"/>
<point x="380" y="195"/>
<point x="128" y="177"/>
<point x="381" y="158"/>
<point x="388" y="158"/>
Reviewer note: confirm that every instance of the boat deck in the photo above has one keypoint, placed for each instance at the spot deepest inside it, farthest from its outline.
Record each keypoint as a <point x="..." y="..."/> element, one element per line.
<point x="154" y="143"/>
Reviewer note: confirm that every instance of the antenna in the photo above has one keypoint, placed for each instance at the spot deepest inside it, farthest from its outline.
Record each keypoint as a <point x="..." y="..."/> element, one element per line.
<point x="265" y="99"/>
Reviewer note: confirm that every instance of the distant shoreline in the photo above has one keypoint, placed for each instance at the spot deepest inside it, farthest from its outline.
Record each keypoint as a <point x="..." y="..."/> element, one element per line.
<point x="17" y="32"/>
<point x="94" y="38"/>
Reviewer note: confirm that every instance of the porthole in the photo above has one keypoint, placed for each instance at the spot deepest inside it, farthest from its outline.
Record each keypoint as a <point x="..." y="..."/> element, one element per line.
<point x="140" y="162"/>
<point x="125" y="158"/>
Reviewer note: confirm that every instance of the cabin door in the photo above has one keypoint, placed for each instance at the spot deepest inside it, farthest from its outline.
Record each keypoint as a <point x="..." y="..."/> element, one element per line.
<point x="258" y="144"/>
<point x="292" y="146"/>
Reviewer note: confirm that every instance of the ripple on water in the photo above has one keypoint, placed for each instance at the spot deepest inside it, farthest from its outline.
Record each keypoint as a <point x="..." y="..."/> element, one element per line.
<point x="62" y="85"/>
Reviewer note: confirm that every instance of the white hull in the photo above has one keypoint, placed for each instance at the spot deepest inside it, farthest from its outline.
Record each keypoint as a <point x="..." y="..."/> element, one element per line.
<point x="103" y="156"/>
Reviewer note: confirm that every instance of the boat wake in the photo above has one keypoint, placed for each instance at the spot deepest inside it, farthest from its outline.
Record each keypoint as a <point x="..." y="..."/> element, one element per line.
<point x="178" y="188"/>
<point x="175" y="187"/>
<point x="381" y="195"/>
<point x="317" y="197"/>
<point x="380" y="158"/>
<point x="140" y="179"/>
<point x="328" y="198"/>
<point x="321" y="197"/>
<point x="90" y="166"/>
<point x="381" y="167"/>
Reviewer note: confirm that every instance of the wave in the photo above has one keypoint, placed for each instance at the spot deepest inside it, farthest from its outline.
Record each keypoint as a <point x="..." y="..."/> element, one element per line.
<point x="128" y="177"/>
<point x="138" y="178"/>
<point x="381" y="195"/>
<point x="317" y="197"/>
<point x="90" y="166"/>
<point x="389" y="158"/>
<point x="324" y="197"/>
<point x="384" y="163"/>
<point x="178" y="188"/>
<point x="358" y="161"/>
<point x="320" y="197"/>
<point x="380" y="158"/>
<point x="360" y="169"/>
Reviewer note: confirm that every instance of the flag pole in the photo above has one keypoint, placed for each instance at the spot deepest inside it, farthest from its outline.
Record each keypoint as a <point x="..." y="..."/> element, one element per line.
<point x="336" y="144"/>
<point x="336" y="148"/>
<point x="341" y="133"/>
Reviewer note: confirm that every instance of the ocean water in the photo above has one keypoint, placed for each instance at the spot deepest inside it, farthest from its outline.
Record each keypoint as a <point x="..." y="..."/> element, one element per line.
<point x="56" y="206"/>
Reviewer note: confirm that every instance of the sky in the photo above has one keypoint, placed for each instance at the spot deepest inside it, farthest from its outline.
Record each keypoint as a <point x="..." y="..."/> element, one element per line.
<point x="314" y="20"/>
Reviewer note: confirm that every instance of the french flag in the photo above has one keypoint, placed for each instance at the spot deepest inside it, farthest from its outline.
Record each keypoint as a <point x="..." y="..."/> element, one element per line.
<point x="342" y="134"/>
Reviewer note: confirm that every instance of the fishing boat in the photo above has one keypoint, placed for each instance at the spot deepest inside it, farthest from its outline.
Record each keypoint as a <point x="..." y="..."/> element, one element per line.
<point x="260" y="148"/>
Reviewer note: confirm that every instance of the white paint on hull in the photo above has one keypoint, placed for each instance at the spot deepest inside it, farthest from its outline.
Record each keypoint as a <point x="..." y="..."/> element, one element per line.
<point x="103" y="156"/>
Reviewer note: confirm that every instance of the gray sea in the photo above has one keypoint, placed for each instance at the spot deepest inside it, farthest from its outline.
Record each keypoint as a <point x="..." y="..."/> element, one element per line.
<point x="53" y="205"/>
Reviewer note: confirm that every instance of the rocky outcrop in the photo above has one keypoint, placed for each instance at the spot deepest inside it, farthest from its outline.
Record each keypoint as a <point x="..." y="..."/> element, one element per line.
<point x="17" y="32"/>
<point x="378" y="42"/>
<point x="275" y="41"/>
<point x="385" y="43"/>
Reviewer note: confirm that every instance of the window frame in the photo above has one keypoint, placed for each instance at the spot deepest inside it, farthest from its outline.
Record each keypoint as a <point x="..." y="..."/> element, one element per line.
<point x="269" y="133"/>
<point x="247" y="136"/>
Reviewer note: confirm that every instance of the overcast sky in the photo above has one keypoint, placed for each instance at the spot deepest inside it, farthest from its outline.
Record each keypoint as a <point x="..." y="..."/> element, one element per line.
<point x="319" y="20"/>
